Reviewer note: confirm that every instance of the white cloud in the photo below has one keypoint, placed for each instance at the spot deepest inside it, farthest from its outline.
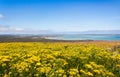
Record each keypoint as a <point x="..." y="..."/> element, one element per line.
<point x="15" y="29"/>
<point x="19" y="29"/>
<point x="10" y="29"/>
<point x="1" y="16"/>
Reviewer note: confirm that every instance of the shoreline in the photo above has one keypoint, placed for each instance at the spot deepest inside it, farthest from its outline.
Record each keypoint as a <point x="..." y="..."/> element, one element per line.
<point x="7" y="38"/>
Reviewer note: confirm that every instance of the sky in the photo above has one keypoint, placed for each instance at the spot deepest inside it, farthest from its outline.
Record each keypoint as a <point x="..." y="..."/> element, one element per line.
<point x="58" y="15"/>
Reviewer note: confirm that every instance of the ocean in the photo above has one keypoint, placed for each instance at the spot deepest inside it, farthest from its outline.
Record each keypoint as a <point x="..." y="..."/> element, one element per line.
<point x="87" y="37"/>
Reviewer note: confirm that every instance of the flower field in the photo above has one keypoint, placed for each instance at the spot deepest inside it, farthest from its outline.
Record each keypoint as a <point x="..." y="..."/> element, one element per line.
<point x="59" y="59"/>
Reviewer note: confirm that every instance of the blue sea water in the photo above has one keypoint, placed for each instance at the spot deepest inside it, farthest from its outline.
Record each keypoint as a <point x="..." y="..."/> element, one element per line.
<point x="87" y="37"/>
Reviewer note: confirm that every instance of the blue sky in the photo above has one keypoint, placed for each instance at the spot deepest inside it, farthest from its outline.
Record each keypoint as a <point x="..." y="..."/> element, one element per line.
<point x="59" y="15"/>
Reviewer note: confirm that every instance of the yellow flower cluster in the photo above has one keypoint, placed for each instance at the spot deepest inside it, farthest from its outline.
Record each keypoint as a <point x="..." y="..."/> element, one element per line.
<point x="59" y="60"/>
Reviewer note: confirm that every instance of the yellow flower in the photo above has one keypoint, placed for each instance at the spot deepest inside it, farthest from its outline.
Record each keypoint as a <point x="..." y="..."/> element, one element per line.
<point x="89" y="74"/>
<point x="38" y="64"/>
<point x="118" y="65"/>
<point x="42" y="70"/>
<point x="3" y="64"/>
<point x="72" y="73"/>
<point x="60" y="71"/>
<point x="97" y="71"/>
<point x="64" y="76"/>
<point x="27" y="69"/>
<point x="110" y="74"/>
<point x="5" y="75"/>
<point x="10" y="73"/>
<point x="60" y="75"/>
<point x="36" y="75"/>
<point x="88" y="66"/>
<point x="82" y="71"/>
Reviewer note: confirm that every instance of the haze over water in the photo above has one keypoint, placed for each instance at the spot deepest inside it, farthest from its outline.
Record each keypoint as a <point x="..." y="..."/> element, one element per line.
<point x="87" y="37"/>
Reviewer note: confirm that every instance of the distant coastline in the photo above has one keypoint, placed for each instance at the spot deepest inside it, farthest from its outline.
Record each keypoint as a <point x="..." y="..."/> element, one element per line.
<point x="16" y="38"/>
<point x="36" y="38"/>
<point x="105" y="37"/>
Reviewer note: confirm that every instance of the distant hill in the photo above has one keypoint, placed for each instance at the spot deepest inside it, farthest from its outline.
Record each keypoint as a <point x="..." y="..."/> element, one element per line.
<point x="97" y="32"/>
<point x="49" y="32"/>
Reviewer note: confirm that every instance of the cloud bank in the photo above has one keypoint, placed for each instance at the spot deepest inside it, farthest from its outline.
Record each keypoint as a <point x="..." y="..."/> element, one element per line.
<point x="10" y="30"/>
<point x="17" y="30"/>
